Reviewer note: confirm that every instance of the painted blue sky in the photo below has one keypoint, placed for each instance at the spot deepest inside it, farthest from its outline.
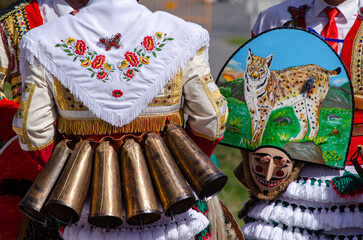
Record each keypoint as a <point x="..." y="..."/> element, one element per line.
<point x="292" y="47"/>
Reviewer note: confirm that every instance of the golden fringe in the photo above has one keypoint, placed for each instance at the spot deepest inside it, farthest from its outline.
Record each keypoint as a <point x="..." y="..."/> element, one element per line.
<point x="358" y="102"/>
<point x="98" y="126"/>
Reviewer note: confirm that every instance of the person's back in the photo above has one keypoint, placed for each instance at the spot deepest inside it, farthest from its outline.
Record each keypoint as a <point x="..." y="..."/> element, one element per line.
<point x="114" y="71"/>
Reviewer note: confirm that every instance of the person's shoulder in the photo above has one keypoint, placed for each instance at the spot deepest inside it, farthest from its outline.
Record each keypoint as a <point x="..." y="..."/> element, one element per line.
<point x="277" y="15"/>
<point x="282" y="8"/>
<point x="5" y="12"/>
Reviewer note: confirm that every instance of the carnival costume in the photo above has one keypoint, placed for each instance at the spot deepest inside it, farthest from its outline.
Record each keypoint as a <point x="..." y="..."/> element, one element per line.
<point x="322" y="203"/>
<point x="18" y="170"/>
<point x="117" y="72"/>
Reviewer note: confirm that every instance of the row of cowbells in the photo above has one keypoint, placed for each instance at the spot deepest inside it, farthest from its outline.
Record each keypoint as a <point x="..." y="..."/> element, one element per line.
<point x="165" y="171"/>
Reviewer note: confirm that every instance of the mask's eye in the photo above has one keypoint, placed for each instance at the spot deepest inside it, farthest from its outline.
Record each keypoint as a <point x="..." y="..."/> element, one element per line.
<point x="281" y="164"/>
<point x="261" y="70"/>
<point x="252" y="68"/>
<point x="259" y="169"/>
<point x="280" y="173"/>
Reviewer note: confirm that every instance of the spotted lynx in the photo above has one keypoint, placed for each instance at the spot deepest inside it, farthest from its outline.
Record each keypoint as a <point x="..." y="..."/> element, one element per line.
<point x="303" y="87"/>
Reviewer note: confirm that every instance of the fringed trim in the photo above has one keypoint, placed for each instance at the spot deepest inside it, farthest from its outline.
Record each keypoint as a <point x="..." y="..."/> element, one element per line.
<point x="179" y="229"/>
<point x="358" y="102"/>
<point x="273" y="231"/>
<point x="31" y="51"/>
<point x="255" y="229"/>
<point x="98" y="126"/>
<point x="317" y="190"/>
<point x="310" y="217"/>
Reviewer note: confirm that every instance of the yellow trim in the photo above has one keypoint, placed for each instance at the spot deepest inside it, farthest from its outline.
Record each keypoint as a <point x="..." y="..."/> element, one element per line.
<point x="26" y="104"/>
<point x="357" y="81"/>
<point x="212" y="96"/>
<point x="358" y="102"/>
<point x="175" y="85"/>
<point x="178" y="86"/>
<point x="200" y="51"/>
<point x="66" y="99"/>
<point x="97" y="126"/>
<point x="18" y="130"/>
<point x="3" y="70"/>
<point x="58" y="93"/>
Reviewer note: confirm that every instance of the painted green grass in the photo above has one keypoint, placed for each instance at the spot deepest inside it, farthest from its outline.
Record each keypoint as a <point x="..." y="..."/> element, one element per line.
<point x="278" y="134"/>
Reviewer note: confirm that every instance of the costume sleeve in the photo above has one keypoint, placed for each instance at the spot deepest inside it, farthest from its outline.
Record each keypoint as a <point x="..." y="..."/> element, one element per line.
<point x="203" y="103"/>
<point x="34" y="121"/>
<point x="8" y="107"/>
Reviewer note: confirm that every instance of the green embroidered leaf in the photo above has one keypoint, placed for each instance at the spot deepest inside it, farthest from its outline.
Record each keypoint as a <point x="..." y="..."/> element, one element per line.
<point x="136" y="70"/>
<point x="158" y="49"/>
<point x="135" y="49"/>
<point x="90" y="69"/>
<point x="82" y="60"/>
<point x="161" y="45"/>
<point x="170" y="39"/>
<point x="57" y="45"/>
<point x="148" y="57"/>
<point x="70" y="54"/>
<point x="66" y="50"/>
<point x="139" y="65"/>
<point x="89" y="53"/>
<point x="93" y="74"/>
<point x="154" y="54"/>
<point x="65" y="45"/>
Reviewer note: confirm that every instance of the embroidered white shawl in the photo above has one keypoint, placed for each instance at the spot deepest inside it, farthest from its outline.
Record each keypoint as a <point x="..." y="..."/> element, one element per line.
<point x="116" y="85"/>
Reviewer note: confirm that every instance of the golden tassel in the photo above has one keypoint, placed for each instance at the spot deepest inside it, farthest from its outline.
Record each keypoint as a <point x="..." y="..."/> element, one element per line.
<point x="98" y="126"/>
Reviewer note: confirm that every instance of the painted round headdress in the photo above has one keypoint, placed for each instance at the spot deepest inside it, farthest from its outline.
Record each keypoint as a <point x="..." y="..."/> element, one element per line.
<point x="290" y="102"/>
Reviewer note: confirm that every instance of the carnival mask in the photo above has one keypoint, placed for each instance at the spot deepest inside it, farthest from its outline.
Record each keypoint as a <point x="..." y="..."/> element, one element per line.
<point x="269" y="166"/>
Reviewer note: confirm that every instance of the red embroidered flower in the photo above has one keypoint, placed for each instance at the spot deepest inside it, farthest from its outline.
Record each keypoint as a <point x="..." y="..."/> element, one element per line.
<point x="102" y="75"/>
<point x="81" y="47"/>
<point x="132" y="58"/>
<point x="117" y="93"/>
<point x="130" y="73"/>
<point x="148" y="43"/>
<point x="99" y="61"/>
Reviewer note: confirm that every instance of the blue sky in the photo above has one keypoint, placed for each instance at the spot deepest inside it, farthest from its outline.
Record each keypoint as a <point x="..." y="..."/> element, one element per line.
<point x="292" y="47"/>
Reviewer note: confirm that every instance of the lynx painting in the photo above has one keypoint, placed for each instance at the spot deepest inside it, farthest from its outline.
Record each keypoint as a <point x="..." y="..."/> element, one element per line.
<point x="302" y="87"/>
<point x="284" y="86"/>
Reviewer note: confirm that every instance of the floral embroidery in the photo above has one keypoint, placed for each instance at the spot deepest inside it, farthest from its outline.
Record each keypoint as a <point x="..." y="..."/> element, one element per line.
<point x="132" y="58"/>
<point x="80" y="47"/>
<point x="98" y="62"/>
<point x="130" y="73"/>
<point x="129" y="64"/>
<point x="142" y="54"/>
<point x="117" y="93"/>
<point x="149" y="43"/>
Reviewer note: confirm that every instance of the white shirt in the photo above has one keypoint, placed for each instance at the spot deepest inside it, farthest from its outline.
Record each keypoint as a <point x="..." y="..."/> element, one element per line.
<point x="53" y="9"/>
<point x="315" y="17"/>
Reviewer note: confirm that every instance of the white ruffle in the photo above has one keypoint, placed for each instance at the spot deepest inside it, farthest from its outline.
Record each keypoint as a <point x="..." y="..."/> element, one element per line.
<point x="263" y="230"/>
<point x="185" y="226"/>
<point x="312" y="218"/>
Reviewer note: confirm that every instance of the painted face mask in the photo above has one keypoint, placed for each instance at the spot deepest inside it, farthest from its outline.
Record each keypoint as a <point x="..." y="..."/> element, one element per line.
<point x="269" y="166"/>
